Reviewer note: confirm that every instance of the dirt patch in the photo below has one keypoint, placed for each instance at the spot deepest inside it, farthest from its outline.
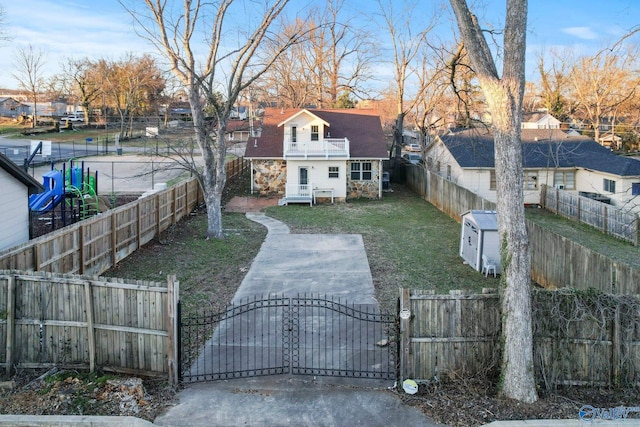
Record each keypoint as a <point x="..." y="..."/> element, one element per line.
<point x="75" y="393"/>
<point x="244" y="204"/>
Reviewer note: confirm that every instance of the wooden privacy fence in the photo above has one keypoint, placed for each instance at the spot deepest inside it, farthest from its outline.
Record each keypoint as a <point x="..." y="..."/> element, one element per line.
<point x="555" y="260"/>
<point x="606" y="218"/>
<point x="580" y="338"/>
<point x="445" y="334"/>
<point x="559" y="262"/>
<point x="94" y="245"/>
<point x="444" y="194"/>
<point x="88" y="323"/>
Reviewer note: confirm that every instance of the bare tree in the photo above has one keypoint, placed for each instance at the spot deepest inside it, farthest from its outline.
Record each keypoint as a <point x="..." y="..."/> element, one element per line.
<point x="83" y="81"/>
<point x="29" y="63"/>
<point x="334" y="59"/>
<point x="214" y="80"/>
<point x="432" y="78"/>
<point x="604" y="83"/>
<point x="292" y="79"/>
<point x="504" y="99"/>
<point x="406" y="45"/>
<point x="130" y="86"/>
<point x="466" y="93"/>
<point x="348" y="54"/>
<point x="3" y="34"/>
<point x="554" y="84"/>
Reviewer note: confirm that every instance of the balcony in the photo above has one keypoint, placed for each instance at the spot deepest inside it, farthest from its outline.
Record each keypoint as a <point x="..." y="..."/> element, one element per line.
<point x="326" y="148"/>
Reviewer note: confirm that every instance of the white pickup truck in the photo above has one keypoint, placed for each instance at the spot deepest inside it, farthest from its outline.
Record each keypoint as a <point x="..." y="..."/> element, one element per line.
<point x="73" y="117"/>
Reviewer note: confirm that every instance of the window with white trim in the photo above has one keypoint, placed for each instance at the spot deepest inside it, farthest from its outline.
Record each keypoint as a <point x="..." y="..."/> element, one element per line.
<point x="565" y="179"/>
<point x="531" y="180"/>
<point x="334" y="172"/>
<point x="315" y="133"/>
<point x="609" y="185"/>
<point x="361" y="171"/>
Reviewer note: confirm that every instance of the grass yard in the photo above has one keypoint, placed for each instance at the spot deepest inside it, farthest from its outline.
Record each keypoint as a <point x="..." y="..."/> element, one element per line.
<point x="617" y="249"/>
<point x="409" y="243"/>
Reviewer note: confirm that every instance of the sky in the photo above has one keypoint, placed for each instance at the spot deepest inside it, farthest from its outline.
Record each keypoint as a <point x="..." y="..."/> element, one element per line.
<point x="103" y="29"/>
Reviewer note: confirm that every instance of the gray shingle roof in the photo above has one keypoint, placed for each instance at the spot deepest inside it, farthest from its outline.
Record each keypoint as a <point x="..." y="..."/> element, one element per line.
<point x="541" y="149"/>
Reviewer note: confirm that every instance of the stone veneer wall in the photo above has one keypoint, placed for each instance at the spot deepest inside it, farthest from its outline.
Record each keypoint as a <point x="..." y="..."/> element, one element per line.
<point x="367" y="189"/>
<point x="269" y="176"/>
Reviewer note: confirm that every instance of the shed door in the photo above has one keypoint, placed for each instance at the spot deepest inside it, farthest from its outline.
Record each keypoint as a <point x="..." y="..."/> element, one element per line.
<point x="469" y="244"/>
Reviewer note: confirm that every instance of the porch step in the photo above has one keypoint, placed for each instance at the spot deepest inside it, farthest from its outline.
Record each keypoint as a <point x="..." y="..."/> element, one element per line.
<point x="295" y="199"/>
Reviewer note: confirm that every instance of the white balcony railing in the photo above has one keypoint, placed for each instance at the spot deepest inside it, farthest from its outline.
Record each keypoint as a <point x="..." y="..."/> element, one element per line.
<point x="328" y="147"/>
<point x="299" y="190"/>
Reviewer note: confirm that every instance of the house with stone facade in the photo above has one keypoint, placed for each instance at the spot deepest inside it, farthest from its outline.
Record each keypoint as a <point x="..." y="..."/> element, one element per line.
<point x="305" y="155"/>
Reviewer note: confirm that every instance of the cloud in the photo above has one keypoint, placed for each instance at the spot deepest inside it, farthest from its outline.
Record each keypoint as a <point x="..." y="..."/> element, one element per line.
<point x="585" y="33"/>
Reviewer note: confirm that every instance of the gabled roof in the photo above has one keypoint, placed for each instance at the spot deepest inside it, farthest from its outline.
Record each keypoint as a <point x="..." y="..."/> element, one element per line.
<point x="19" y="174"/>
<point x="299" y="113"/>
<point x="535" y="116"/>
<point x="541" y="149"/>
<point x="361" y="127"/>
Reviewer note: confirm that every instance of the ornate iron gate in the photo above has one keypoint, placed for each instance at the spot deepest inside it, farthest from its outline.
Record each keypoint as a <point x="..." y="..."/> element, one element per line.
<point x="303" y="335"/>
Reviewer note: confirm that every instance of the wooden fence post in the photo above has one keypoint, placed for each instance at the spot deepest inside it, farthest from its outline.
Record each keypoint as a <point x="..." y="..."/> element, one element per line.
<point x="158" y="215"/>
<point x="114" y="240"/>
<point x="11" y="322"/>
<point x="406" y="364"/>
<point x="173" y="288"/>
<point x="138" y="225"/>
<point x="88" y="301"/>
<point x="81" y="250"/>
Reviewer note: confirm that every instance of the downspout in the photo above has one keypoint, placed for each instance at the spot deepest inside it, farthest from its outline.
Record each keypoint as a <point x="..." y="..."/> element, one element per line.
<point x="380" y="172"/>
<point x="251" y="166"/>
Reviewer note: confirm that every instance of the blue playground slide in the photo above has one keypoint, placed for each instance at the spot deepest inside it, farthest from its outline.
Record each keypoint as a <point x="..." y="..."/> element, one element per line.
<point x="54" y="191"/>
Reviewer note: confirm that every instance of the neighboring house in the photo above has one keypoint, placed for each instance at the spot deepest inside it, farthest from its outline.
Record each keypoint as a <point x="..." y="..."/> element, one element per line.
<point x="610" y="140"/>
<point x="302" y="153"/>
<point x="539" y="120"/>
<point x="16" y="186"/>
<point x="10" y="107"/>
<point x="239" y="130"/>
<point x="550" y="156"/>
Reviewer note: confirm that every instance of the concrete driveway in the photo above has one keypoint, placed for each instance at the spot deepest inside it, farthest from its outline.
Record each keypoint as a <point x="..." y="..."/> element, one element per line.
<point x="291" y="264"/>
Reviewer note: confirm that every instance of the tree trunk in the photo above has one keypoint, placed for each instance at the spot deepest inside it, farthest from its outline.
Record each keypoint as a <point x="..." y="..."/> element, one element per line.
<point x="397" y="137"/>
<point x="504" y="99"/>
<point x="214" y="174"/>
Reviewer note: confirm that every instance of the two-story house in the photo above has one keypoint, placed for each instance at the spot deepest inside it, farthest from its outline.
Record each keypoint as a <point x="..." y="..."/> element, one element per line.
<point x="307" y="154"/>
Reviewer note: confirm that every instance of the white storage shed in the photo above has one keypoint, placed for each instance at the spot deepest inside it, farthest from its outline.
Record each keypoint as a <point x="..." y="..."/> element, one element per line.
<point x="480" y="238"/>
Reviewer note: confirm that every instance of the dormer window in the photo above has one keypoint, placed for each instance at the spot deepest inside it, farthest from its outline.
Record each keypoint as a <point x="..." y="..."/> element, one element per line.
<point x="315" y="136"/>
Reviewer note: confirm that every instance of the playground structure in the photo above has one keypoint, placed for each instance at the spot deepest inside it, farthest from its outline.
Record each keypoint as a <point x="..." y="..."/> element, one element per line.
<point x="70" y="194"/>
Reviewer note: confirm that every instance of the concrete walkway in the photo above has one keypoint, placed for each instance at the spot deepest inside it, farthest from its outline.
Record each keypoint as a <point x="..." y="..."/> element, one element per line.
<point x="290" y="264"/>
